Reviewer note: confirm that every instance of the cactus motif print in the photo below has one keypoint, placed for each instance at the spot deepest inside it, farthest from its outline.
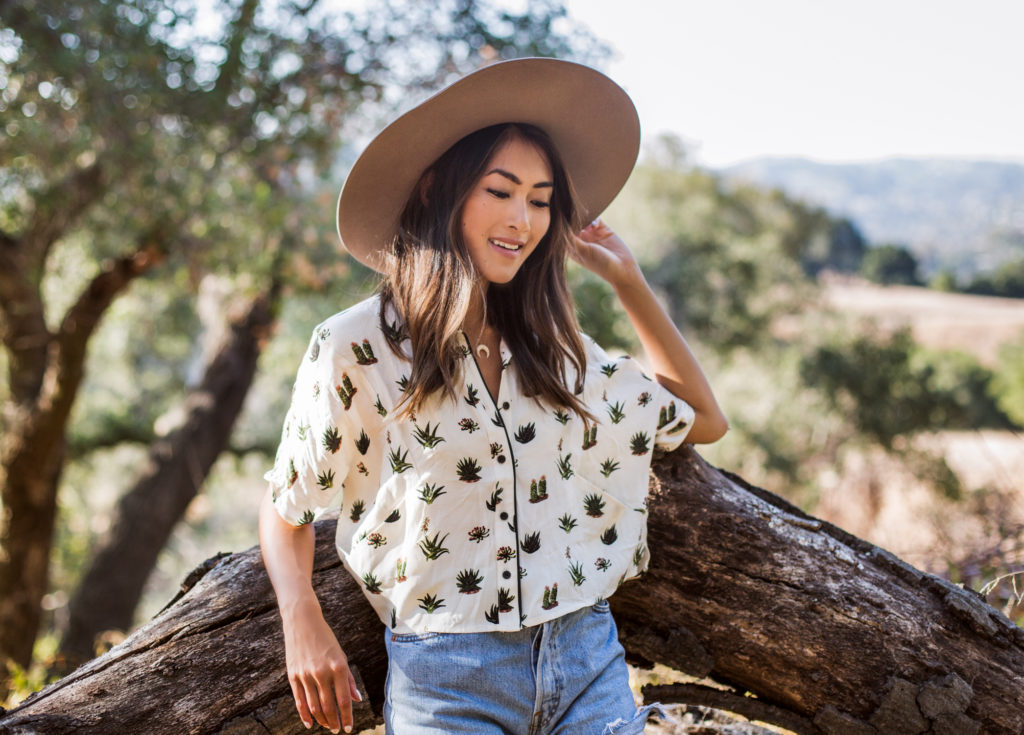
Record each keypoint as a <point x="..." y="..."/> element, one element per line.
<point x="480" y="512"/>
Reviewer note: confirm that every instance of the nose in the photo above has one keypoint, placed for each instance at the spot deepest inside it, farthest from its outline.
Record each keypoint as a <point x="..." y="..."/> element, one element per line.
<point x="519" y="216"/>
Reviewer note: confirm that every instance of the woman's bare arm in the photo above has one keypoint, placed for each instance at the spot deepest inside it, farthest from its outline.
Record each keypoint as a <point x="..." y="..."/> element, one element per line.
<point x="600" y="250"/>
<point x="318" y="672"/>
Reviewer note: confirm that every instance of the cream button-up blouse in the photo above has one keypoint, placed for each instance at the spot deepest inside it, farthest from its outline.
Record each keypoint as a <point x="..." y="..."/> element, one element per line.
<point x="486" y="513"/>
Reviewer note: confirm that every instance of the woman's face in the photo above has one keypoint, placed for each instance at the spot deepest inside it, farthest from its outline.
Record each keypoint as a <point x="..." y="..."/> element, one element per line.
<point x="508" y="210"/>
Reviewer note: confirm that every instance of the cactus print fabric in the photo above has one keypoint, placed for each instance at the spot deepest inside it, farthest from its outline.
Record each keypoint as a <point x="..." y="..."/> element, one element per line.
<point x="482" y="514"/>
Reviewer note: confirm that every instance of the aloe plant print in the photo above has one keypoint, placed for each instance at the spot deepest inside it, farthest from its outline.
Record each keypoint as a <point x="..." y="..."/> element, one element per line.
<point x="492" y="504"/>
<point x="680" y="426"/>
<point x="372" y="583"/>
<point x="430" y="492"/>
<point x="364" y="353"/>
<point x="609" y="369"/>
<point x="331" y="439"/>
<point x="394" y="331"/>
<point x="432" y="548"/>
<point x="403" y="383"/>
<point x="398" y="462"/>
<point x="638" y="555"/>
<point x="468" y="581"/>
<point x="468" y="470"/>
<point x="566" y="522"/>
<point x="550" y="596"/>
<point x="594" y="505"/>
<point x="430" y="603"/>
<point x="526" y="433"/>
<point x="561" y="416"/>
<point x="307" y="518"/>
<point x="609" y="536"/>
<point x="469" y="425"/>
<point x="616" y="412"/>
<point x="427" y="437"/>
<point x="303" y="431"/>
<point x="358" y="506"/>
<point x="345" y="390"/>
<point x="497" y="420"/>
<point x="472" y="395"/>
<point x="491" y="616"/>
<point x="505" y="600"/>
<point x="325" y="480"/>
<point x="393" y="516"/>
<point x="609" y="466"/>
<point x="564" y="465"/>
<point x="539" y="489"/>
<point x="576" y="574"/>
<point x="666" y="415"/>
<point x="640" y="443"/>
<point x="293" y="474"/>
<point x="380" y="406"/>
<point x="530" y="543"/>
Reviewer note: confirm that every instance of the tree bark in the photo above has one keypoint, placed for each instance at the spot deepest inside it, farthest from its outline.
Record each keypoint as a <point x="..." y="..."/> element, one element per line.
<point x="783" y="616"/>
<point x="178" y="464"/>
<point x="46" y="370"/>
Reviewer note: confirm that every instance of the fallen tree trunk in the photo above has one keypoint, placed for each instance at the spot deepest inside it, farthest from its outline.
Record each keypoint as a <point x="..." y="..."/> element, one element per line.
<point x="786" y="618"/>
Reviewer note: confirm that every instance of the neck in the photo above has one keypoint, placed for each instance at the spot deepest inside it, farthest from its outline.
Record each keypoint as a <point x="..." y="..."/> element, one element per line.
<point x="473" y="325"/>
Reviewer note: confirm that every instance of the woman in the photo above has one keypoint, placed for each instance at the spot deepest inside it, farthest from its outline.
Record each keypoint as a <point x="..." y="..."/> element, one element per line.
<point x="490" y="462"/>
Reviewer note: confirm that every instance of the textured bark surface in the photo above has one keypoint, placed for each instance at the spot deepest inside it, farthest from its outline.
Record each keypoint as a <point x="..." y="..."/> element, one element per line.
<point x="174" y="474"/>
<point x="786" y="617"/>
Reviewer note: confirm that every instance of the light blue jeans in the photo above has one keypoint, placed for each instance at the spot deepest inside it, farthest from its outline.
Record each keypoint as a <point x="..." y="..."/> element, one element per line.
<point x="564" y="677"/>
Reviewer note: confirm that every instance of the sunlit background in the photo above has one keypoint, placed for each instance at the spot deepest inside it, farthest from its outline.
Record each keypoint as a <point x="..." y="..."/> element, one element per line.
<point x="829" y="201"/>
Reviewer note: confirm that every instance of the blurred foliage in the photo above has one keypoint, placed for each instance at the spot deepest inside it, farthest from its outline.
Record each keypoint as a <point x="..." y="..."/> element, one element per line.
<point x="727" y="260"/>
<point x="888" y="387"/>
<point x="1008" y="382"/>
<point x="890" y="265"/>
<point x="1007" y="280"/>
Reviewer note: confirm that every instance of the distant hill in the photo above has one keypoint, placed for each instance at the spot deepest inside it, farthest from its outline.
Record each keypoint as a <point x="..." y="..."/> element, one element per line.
<point x="963" y="215"/>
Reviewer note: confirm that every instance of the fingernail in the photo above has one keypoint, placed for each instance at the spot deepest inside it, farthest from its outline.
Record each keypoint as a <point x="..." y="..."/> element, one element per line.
<point x="359" y="697"/>
<point x="348" y="728"/>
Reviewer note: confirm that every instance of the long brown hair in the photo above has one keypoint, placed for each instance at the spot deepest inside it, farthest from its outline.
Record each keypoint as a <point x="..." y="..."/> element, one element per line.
<point x="429" y="278"/>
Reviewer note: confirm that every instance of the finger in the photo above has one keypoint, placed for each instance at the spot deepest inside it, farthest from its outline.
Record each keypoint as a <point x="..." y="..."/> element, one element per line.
<point x="315" y="705"/>
<point x="328" y="703"/>
<point x="344" y="699"/>
<point x="299" y="694"/>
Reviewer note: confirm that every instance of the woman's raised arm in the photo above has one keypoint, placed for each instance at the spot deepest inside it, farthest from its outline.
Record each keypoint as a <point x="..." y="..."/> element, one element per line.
<point x="600" y="250"/>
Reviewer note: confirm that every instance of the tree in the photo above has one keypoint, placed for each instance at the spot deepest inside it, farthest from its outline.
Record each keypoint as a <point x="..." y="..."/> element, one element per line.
<point x="890" y="264"/>
<point x="773" y="614"/>
<point x="160" y="149"/>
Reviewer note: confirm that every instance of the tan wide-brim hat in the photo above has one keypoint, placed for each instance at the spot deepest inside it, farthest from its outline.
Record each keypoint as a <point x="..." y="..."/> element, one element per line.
<point x="590" y="119"/>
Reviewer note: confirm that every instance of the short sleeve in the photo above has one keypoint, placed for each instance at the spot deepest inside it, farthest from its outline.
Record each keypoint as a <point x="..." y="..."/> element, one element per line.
<point x="311" y="463"/>
<point x="675" y="417"/>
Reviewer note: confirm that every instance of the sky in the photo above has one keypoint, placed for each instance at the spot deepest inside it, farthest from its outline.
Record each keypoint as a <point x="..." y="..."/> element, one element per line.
<point x="831" y="80"/>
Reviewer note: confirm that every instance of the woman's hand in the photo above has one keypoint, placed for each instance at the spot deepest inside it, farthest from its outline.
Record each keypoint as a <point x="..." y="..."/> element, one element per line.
<point x="601" y="251"/>
<point x="322" y="685"/>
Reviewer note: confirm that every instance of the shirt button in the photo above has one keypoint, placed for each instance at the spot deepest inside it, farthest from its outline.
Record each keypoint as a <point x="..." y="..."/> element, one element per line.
<point x="506" y="574"/>
<point x="504" y="516"/>
<point x="504" y="406"/>
<point x="501" y="459"/>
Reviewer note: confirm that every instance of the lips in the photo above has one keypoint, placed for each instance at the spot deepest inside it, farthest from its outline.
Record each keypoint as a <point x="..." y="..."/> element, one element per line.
<point x="509" y="245"/>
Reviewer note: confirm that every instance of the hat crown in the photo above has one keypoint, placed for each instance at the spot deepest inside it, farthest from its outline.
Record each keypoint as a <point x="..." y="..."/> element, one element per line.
<point x="589" y="118"/>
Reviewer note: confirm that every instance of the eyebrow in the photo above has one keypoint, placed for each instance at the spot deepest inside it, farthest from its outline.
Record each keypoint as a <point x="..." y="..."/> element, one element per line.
<point x="515" y="179"/>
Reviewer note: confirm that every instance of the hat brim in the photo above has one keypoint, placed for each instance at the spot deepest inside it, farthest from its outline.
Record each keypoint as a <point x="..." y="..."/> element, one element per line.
<point x="590" y="119"/>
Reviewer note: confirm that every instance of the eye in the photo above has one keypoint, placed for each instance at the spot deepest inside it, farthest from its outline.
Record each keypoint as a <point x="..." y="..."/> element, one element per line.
<point x="497" y="193"/>
<point x="541" y="203"/>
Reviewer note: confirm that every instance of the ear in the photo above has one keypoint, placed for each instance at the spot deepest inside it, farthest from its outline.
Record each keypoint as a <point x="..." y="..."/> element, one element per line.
<point x="424" y="186"/>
